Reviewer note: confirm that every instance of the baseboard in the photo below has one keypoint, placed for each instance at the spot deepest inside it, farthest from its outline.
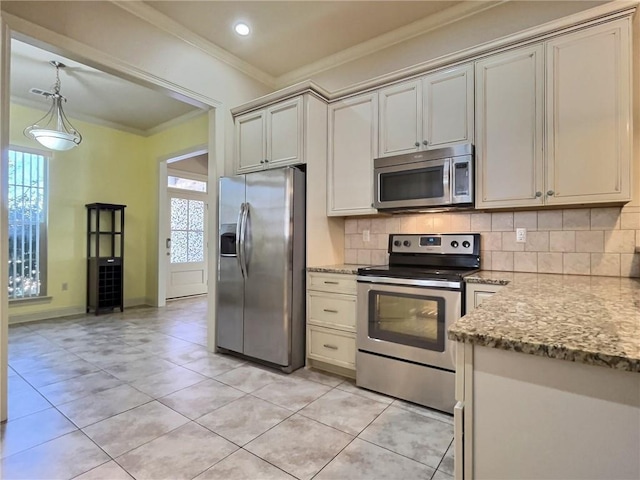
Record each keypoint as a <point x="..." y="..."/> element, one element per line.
<point x="67" y="311"/>
<point x="46" y="314"/>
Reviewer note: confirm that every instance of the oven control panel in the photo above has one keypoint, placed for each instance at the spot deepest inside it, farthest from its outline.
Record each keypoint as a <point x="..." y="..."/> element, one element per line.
<point x="444" y="243"/>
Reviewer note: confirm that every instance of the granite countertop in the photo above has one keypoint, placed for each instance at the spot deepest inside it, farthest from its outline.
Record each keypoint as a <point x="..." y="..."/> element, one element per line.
<point x="591" y="320"/>
<point x="347" y="269"/>
<point x="488" y="277"/>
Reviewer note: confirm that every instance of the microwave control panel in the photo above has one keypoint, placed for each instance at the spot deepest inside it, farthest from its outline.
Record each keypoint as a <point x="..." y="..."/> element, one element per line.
<point x="442" y="243"/>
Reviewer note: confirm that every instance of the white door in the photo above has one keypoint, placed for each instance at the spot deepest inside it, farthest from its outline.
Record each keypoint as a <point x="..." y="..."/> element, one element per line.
<point x="400" y="108"/>
<point x="187" y="244"/>
<point x="251" y="144"/>
<point x="284" y="133"/>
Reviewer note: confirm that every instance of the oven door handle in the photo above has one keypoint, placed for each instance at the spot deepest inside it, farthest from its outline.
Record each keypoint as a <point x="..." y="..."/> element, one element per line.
<point x="411" y="282"/>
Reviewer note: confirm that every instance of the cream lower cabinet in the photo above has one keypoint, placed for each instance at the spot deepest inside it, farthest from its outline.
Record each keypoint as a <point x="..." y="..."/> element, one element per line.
<point x="331" y="322"/>
<point x="353" y="144"/>
<point x="559" y="139"/>
<point x="476" y="293"/>
<point x="521" y="416"/>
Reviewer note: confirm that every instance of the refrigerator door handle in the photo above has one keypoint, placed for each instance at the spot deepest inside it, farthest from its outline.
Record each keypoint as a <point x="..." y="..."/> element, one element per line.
<point x="242" y="254"/>
<point x="239" y="233"/>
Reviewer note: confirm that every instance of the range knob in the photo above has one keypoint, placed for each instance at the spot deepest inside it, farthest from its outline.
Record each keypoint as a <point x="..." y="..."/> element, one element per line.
<point x="454" y="244"/>
<point x="466" y="244"/>
<point x="406" y="243"/>
<point x="397" y="243"/>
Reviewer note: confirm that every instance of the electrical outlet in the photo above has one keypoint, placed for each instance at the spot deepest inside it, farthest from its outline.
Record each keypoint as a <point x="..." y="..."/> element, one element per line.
<point x="65" y="286"/>
<point x="521" y="235"/>
<point x="366" y="236"/>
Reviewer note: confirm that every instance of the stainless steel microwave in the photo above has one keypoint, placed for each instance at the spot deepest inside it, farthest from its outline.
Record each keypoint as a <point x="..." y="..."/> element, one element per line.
<point x="439" y="178"/>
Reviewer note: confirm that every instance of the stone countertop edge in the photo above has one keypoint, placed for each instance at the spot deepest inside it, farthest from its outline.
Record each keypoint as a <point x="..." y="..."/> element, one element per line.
<point x="585" y="319"/>
<point x="345" y="269"/>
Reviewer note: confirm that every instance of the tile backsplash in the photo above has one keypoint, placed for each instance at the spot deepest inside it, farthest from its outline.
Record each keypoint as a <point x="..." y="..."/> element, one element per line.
<point x="582" y="241"/>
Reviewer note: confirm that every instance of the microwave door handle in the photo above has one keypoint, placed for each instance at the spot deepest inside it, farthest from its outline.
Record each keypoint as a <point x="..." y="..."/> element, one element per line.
<point x="447" y="174"/>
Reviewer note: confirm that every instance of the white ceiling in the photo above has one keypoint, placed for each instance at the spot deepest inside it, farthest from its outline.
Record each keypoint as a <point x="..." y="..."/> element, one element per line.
<point x="286" y="37"/>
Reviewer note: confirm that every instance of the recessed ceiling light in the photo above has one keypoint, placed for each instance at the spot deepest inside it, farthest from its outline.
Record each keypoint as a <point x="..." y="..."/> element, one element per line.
<point x="242" y="29"/>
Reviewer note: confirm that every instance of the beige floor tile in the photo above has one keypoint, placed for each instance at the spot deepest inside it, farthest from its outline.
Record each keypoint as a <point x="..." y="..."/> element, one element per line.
<point x="24" y="401"/>
<point x="61" y="458"/>
<point x="243" y="465"/>
<point x="214" y="365"/>
<point x="168" y="381"/>
<point x="244" y="419"/>
<point x="139" y="369"/>
<point x="424" y="411"/>
<point x="318" y="376"/>
<point x="350" y="386"/>
<point x="107" y="471"/>
<point x="48" y="375"/>
<point x="128" y="430"/>
<point x="421" y="438"/>
<point x="78" y="387"/>
<point x="100" y="406"/>
<point x="299" y="446"/>
<point x="248" y="378"/>
<point x="292" y="393"/>
<point x="447" y="463"/>
<point x="26" y="432"/>
<point x="363" y="460"/>
<point x="344" y="411"/>
<point x="200" y="399"/>
<point x="440" y="475"/>
<point x="184" y="355"/>
<point x="181" y="454"/>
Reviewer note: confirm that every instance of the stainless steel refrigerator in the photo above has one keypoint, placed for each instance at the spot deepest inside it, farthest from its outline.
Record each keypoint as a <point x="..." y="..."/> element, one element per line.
<point x="261" y="273"/>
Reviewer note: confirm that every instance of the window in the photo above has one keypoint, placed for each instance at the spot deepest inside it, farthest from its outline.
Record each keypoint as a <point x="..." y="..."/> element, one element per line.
<point x="186" y="184"/>
<point x="27" y="177"/>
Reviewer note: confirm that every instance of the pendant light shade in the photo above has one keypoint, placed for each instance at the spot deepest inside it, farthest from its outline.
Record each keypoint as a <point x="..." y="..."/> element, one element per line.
<point x="54" y="131"/>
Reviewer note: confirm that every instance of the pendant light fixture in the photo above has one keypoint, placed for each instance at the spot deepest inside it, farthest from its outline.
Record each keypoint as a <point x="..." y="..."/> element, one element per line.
<point x="54" y="131"/>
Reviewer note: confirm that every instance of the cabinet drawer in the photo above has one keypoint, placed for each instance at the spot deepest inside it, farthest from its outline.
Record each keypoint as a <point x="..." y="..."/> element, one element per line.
<point x="332" y="346"/>
<point x="331" y="282"/>
<point x="337" y="311"/>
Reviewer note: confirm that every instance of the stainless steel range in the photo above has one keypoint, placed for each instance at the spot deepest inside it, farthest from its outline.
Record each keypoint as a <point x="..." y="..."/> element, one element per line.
<point x="404" y="310"/>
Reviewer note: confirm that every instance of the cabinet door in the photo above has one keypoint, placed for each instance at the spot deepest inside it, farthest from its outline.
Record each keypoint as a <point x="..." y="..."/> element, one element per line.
<point x="250" y="142"/>
<point x="448" y="107"/>
<point x="589" y="115"/>
<point x="353" y="142"/>
<point x="509" y="128"/>
<point x="284" y="133"/>
<point x="400" y="118"/>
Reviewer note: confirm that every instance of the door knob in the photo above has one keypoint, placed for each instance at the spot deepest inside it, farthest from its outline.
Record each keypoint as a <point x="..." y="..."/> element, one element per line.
<point x="550" y="192"/>
<point x="425" y="142"/>
<point x="168" y="243"/>
<point x="417" y="144"/>
<point x="538" y="194"/>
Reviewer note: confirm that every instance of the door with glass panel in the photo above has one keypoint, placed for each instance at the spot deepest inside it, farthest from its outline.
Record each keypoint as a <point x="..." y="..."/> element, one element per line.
<point x="186" y="241"/>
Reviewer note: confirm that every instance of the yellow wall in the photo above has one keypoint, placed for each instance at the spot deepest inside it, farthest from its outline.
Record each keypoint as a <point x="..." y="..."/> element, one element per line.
<point x="110" y="166"/>
<point x="160" y="146"/>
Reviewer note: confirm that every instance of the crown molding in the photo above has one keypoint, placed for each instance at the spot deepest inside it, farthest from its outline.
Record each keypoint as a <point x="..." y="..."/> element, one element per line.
<point x="402" y="34"/>
<point x="163" y="22"/>
<point x="291" y="91"/>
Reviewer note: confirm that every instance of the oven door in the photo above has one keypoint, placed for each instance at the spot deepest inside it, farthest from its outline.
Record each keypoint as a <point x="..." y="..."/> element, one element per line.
<point x="419" y="184"/>
<point x="407" y="322"/>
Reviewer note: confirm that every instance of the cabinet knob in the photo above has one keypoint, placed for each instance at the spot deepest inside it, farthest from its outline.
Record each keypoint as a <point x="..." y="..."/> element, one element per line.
<point x="550" y="193"/>
<point x="417" y="144"/>
<point x="425" y="142"/>
<point x="266" y="161"/>
<point x="538" y="194"/>
<point x="261" y="161"/>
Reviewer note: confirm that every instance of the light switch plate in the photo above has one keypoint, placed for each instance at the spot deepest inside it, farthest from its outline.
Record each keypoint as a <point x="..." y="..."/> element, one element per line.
<point x="521" y="235"/>
<point x="366" y="237"/>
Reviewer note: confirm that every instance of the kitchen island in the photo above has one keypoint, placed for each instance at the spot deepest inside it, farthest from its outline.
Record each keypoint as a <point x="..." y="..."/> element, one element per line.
<point x="548" y="379"/>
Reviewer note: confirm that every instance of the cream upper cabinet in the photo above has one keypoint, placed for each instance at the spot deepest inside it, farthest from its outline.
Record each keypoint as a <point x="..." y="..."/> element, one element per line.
<point x="589" y="115"/>
<point x="251" y="144"/>
<point x="509" y="128"/>
<point x="270" y="137"/>
<point x="448" y="107"/>
<point x="353" y="144"/>
<point x="400" y="118"/>
<point x="559" y="139"/>
<point x="432" y="112"/>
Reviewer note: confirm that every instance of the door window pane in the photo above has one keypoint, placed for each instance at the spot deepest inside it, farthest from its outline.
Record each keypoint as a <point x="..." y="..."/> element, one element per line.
<point x="187" y="230"/>
<point x="407" y="319"/>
